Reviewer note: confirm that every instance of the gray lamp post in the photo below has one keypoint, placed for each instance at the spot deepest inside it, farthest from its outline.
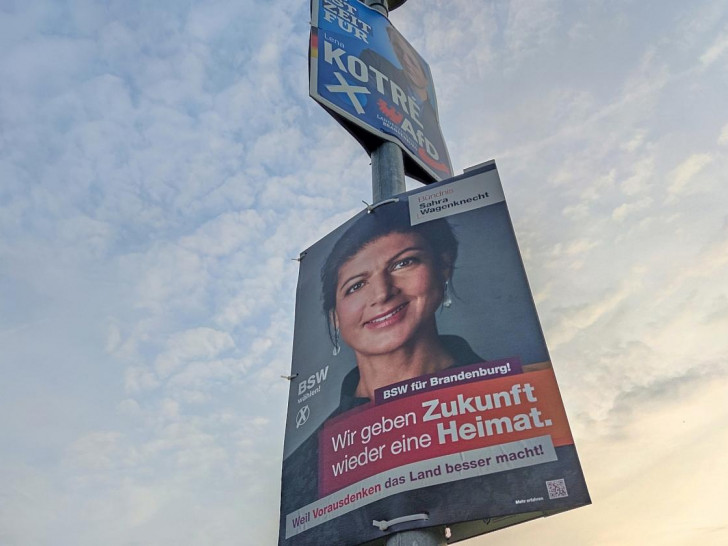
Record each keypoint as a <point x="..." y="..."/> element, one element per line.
<point x="388" y="180"/>
<point x="387" y="159"/>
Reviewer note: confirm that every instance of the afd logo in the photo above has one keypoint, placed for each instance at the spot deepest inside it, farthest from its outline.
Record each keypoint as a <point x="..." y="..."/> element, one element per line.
<point x="313" y="381"/>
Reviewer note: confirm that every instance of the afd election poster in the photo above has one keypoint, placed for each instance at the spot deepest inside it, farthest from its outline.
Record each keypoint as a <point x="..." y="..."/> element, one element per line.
<point x="376" y="85"/>
<point x="422" y="385"/>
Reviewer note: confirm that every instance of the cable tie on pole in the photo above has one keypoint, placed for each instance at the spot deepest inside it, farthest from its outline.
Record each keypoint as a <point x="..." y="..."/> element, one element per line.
<point x="370" y="208"/>
<point x="383" y="525"/>
<point x="301" y="256"/>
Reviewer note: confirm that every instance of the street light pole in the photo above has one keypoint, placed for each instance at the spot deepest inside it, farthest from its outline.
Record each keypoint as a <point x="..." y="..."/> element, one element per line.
<point x="387" y="159"/>
<point x="387" y="181"/>
<point x="387" y="171"/>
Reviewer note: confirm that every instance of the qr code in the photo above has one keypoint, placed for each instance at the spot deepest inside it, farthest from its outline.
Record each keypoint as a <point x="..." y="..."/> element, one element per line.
<point x="557" y="489"/>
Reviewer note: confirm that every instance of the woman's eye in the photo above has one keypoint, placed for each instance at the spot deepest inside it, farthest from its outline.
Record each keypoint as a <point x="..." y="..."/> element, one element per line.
<point x="354" y="287"/>
<point x="404" y="262"/>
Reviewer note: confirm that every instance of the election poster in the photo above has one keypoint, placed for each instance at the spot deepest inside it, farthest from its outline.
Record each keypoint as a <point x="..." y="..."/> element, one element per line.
<point x="421" y="384"/>
<point x="364" y="72"/>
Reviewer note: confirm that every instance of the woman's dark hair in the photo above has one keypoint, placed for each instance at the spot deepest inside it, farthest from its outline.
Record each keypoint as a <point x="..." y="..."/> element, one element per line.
<point x="383" y="220"/>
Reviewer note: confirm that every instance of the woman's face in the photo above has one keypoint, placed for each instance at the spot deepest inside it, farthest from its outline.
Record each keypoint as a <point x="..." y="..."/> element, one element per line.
<point x="411" y="64"/>
<point x="387" y="294"/>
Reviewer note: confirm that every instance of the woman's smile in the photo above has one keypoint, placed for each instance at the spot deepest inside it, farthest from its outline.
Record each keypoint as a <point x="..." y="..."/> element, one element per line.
<point x="387" y="319"/>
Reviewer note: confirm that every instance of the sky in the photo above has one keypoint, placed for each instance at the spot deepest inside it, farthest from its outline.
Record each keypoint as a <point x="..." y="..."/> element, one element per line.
<point x="161" y="164"/>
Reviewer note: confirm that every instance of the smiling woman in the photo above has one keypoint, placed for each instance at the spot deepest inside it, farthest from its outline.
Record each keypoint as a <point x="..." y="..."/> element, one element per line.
<point x="382" y="284"/>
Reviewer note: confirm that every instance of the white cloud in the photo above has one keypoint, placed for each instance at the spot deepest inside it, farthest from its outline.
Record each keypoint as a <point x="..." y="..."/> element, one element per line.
<point x="529" y="24"/>
<point x="635" y="143"/>
<point x="723" y="138"/>
<point x="626" y="209"/>
<point x="96" y="451"/>
<point x="575" y="248"/>
<point x="197" y="376"/>
<point x="129" y="407"/>
<point x="191" y="345"/>
<point x="578" y="318"/>
<point x="225" y="234"/>
<point x="716" y="50"/>
<point x="685" y="173"/>
<point x="641" y="178"/>
<point x="138" y="379"/>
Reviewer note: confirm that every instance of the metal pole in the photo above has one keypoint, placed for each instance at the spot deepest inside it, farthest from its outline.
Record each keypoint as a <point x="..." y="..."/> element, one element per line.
<point x="387" y="159"/>
<point x="387" y="171"/>
<point x="419" y="537"/>
<point x="388" y="180"/>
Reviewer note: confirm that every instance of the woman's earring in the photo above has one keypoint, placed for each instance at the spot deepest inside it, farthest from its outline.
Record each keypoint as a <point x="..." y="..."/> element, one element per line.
<point x="446" y="298"/>
<point x="337" y="347"/>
